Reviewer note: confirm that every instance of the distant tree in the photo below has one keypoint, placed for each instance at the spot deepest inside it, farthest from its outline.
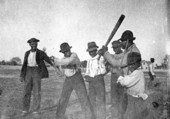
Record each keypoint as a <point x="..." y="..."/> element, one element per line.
<point x="3" y="62"/>
<point x="165" y="63"/>
<point x="15" y="61"/>
<point x="8" y="63"/>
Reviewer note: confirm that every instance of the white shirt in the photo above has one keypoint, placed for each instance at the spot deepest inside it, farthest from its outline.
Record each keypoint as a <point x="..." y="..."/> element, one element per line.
<point x="135" y="82"/>
<point x="72" y="60"/>
<point x="151" y="68"/>
<point x="32" y="59"/>
<point x="95" y="66"/>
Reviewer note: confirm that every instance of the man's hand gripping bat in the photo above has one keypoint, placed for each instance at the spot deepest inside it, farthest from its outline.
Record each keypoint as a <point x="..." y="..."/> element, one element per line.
<point x="120" y="20"/>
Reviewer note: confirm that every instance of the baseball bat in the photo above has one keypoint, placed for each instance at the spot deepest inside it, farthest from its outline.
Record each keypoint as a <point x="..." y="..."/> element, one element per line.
<point x="120" y="20"/>
<point x="124" y="66"/>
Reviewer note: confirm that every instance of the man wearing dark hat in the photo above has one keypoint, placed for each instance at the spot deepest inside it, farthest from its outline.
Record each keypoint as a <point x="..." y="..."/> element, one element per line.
<point x="95" y="71"/>
<point x="33" y="70"/>
<point x="151" y="72"/>
<point x="73" y="81"/>
<point x="116" y="45"/>
<point x="135" y="84"/>
<point x="116" y="89"/>
<point x="118" y="61"/>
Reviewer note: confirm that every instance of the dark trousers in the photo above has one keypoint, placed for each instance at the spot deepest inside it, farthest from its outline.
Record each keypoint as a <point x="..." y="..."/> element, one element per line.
<point x="32" y="83"/>
<point x="75" y="82"/>
<point x="150" y="83"/>
<point x="136" y="109"/>
<point x="151" y="76"/>
<point x="119" y="98"/>
<point x="116" y="89"/>
<point x="97" y="96"/>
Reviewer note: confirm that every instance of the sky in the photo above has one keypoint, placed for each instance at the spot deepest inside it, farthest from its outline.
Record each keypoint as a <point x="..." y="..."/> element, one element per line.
<point x="79" y="22"/>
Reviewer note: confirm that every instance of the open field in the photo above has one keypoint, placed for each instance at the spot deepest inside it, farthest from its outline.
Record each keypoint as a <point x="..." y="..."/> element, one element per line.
<point x="11" y="98"/>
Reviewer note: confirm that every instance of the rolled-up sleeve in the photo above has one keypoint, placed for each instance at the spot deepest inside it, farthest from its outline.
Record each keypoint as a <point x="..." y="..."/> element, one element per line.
<point x="114" y="60"/>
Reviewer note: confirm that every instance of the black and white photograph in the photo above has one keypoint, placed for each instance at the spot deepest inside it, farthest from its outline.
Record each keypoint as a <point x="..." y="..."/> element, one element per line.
<point x="84" y="59"/>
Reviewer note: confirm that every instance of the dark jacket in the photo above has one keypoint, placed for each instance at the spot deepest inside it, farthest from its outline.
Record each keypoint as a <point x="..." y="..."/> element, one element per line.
<point x="40" y="58"/>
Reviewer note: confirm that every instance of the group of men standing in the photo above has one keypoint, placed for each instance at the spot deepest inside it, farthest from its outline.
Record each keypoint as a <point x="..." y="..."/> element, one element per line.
<point x="93" y="101"/>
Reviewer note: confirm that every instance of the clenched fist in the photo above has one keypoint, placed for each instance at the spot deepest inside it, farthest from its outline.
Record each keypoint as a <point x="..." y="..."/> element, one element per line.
<point x="102" y="50"/>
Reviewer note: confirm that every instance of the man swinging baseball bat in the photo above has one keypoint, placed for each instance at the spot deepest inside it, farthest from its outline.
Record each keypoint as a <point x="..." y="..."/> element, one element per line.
<point x="120" y="20"/>
<point x="127" y="43"/>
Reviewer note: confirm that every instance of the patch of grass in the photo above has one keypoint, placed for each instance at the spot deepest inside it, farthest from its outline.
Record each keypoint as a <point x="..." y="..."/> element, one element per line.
<point x="11" y="98"/>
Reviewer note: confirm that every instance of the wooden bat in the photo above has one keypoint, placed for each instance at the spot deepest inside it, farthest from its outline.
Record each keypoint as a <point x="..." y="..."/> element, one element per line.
<point x="124" y="66"/>
<point x="120" y="20"/>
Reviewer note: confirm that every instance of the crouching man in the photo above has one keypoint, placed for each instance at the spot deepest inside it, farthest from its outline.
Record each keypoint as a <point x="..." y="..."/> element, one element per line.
<point x="135" y="84"/>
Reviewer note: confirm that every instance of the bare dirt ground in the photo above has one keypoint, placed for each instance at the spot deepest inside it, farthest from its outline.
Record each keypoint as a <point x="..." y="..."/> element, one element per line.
<point x="11" y="97"/>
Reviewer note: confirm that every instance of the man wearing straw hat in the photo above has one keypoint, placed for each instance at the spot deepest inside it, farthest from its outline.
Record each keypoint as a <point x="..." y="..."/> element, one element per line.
<point x="95" y="71"/>
<point x="116" y="89"/>
<point x="151" y="72"/>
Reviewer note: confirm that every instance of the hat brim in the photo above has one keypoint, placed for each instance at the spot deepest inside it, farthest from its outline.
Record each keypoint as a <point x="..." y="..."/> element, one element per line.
<point x="29" y="41"/>
<point x="91" y="49"/>
<point x="65" y="49"/>
<point x="116" y="46"/>
<point x="126" y="39"/>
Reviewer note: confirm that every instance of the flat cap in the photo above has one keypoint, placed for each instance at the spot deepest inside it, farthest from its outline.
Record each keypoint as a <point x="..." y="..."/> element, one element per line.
<point x="33" y="40"/>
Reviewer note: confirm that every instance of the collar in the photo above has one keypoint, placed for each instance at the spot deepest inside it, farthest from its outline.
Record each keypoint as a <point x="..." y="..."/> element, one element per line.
<point x="33" y="51"/>
<point x="130" y="48"/>
<point x="95" y="57"/>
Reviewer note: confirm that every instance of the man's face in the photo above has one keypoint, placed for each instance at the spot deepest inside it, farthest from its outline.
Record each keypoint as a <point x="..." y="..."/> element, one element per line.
<point x="93" y="53"/>
<point x="124" y="43"/>
<point x="117" y="50"/>
<point x="33" y="46"/>
<point x="67" y="53"/>
<point x="131" y="68"/>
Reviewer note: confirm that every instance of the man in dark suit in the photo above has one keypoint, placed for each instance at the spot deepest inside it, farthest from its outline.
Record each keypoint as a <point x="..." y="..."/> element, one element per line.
<point x="33" y="70"/>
